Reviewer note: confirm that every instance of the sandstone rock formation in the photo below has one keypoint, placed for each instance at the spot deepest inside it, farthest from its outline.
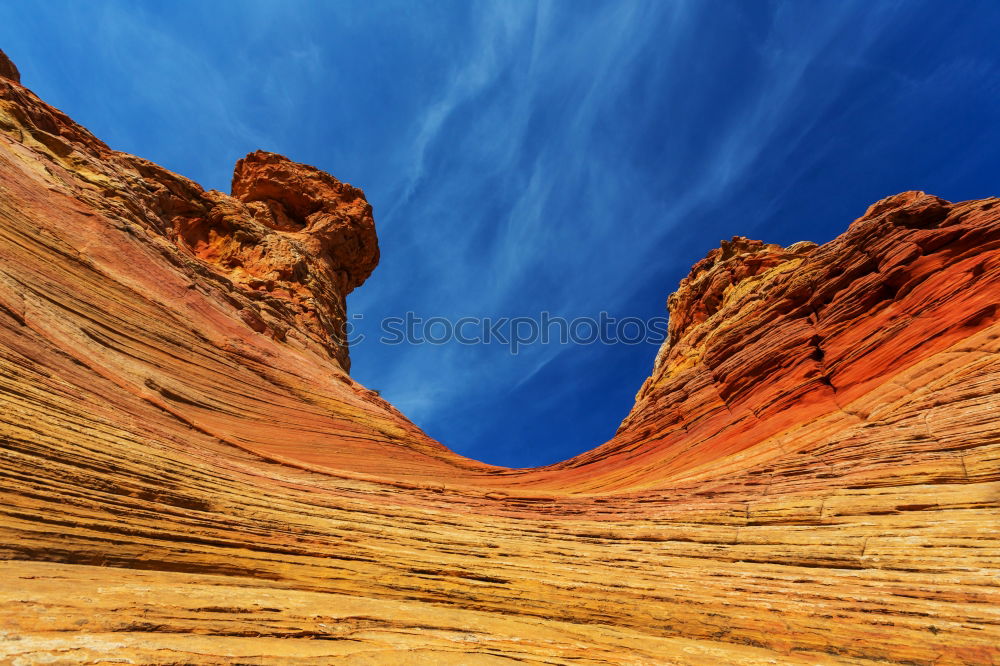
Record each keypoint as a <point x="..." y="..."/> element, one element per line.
<point x="810" y="475"/>
<point x="7" y="69"/>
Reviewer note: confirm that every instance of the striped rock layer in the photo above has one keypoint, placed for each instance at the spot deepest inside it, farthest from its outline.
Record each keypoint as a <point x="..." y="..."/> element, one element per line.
<point x="811" y="474"/>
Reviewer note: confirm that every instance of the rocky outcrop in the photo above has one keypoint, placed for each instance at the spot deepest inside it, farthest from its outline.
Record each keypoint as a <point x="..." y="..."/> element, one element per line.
<point x="285" y="249"/>
<point x="810" y="475"/>
<point x="764" y="340"/>
<point x="7" y="69"/>
<point x="293" y="235"/>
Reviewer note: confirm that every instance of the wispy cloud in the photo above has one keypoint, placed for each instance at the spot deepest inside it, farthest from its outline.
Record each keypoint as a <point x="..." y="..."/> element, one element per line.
<point x="572" y="151"/>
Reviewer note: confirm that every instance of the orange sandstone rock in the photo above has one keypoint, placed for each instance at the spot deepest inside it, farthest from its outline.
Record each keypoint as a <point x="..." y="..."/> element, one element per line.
<point x="7" y="69"/>
<point x="764" y="340"/>
<point x="292" y="234"/>
<point x="811" y="474"/>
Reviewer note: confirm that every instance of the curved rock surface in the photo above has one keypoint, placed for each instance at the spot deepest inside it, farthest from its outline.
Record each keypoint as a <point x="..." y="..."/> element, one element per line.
<point x="811" y="474"/>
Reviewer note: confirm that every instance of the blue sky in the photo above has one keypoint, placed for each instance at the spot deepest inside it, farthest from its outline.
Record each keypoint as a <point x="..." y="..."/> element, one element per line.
<point x="572" y="157"/>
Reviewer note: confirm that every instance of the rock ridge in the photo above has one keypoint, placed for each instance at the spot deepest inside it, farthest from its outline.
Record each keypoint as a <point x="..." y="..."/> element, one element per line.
<point x="286" y="247"/>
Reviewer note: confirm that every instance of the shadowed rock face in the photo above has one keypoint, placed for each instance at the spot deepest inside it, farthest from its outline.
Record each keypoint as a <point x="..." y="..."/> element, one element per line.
<point x="8" y="70"/>
<point x="811" y="474"/>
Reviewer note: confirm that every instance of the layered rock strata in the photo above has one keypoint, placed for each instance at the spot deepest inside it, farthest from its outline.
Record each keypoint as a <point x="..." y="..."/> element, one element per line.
<point x="811" y="474"/>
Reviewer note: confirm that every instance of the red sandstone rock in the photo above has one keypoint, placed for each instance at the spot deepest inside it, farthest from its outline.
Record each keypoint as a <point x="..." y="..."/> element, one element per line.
<point x="810" y="475"/>
<point x="334" y="218"/>
<point x="7" y="68"/>
<point x="764" y="339"/>
<point x="287" y="261"/>
<point x="290" y="234"/>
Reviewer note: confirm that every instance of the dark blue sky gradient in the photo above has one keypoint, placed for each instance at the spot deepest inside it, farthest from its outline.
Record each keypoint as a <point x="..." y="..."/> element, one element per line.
<point x="573" y="157"/>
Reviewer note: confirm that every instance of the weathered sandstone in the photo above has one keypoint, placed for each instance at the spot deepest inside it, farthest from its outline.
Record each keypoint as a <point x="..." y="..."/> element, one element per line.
<point x="811" y="474"/>
<point x="7" y="69"/>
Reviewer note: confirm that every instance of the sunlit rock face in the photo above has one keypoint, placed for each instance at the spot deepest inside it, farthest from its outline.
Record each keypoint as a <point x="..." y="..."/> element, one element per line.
<point x="811" y="474"/>
<point x="295" y="238"/>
